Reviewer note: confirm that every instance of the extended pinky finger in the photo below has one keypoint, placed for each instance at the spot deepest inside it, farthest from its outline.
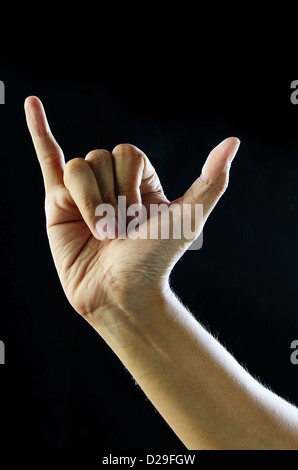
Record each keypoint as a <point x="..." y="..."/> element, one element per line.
<point x="49" y="153"/>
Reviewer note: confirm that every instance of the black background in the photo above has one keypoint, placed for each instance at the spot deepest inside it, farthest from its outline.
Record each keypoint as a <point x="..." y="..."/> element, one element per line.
<point x="174" y="83"/>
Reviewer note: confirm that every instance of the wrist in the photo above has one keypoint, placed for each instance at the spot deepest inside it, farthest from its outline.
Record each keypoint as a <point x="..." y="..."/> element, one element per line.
<point x="141" y="300"/>
<point x="131" y="309"/>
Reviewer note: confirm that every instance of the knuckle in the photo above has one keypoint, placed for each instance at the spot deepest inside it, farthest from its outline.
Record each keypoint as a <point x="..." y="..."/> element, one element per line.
<point x="90" y="204"/>
<point x="131" y="197"/>
<point x="72" y="168"/>
<point x="109" y="198"/>
<point x="220" y="186"/>
<point x="52" y="158"/>
<point x="122" y="149"/>
<point x="124" y="192"/>
<point x="74" y="165"/>
<point x="127" y="186"/>
<point x="98" y="156"/>
<point x="127" y="152"/>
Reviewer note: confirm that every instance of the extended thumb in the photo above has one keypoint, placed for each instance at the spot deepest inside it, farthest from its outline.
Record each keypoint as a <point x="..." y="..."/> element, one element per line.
<point x="214" y="177"/>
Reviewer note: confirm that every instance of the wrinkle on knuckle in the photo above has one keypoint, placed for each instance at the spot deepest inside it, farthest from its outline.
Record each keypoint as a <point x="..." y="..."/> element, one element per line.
<point x="205" y="181"/>
<point x="52" y="158"/>
<point x="90" y="204"/>
<point x="222" y="188"/>
<point x="109" y="198"/>
<point x="127" y="185"/>
<point x="151" y="178"/>
<point x="124" y="192"/>
<point x="217" y="186"/>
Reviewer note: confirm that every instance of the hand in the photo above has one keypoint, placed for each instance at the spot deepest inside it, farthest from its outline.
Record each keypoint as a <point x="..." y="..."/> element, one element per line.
<point x="101" y="273"/>
<point x="121" y="288"/>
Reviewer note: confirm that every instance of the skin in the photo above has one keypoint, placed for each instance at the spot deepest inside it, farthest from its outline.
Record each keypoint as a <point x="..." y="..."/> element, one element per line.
<point x="121" y="287"/>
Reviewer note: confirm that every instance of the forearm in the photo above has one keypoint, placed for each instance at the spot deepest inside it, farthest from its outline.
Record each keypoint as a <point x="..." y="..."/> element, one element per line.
<point x="207" y="398"/>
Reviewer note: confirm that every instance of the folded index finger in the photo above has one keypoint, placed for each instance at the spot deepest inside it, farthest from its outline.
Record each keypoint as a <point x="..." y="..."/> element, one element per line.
<point x="49" y="153"/>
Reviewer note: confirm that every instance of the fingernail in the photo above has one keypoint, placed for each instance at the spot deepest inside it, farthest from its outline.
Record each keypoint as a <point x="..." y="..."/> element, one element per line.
<point x="234" y="149"/>
<point x="37" y="115"/>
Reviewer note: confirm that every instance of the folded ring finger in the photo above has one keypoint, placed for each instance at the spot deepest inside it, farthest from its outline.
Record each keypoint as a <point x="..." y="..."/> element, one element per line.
<point x="102" y="165"/>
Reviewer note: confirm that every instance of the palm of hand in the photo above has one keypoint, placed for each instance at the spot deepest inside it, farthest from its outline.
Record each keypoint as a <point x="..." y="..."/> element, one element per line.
<point x="96" y="272"/>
